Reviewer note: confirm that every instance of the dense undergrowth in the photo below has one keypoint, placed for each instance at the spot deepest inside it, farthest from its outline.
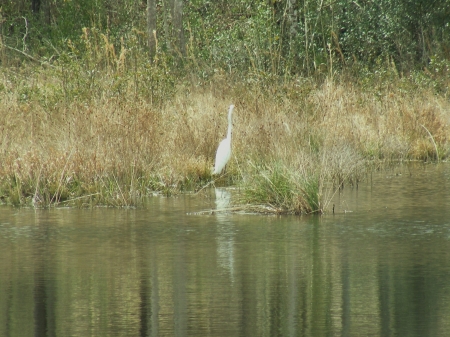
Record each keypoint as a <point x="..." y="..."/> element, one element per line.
<point x="69" y="137"/>
<point x="93" y="121"/>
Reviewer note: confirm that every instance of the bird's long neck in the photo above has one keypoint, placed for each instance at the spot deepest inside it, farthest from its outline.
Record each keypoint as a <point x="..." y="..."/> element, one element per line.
<point x="230" y="122"/>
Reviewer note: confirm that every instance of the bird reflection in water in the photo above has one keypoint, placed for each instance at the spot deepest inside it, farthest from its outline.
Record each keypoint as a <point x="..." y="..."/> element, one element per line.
<point x="225" y="232"/>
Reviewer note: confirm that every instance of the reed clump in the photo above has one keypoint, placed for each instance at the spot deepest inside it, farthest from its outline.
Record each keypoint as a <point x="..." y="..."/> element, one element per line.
<point x="108" y="127"/>
<point x="275" y="188"/>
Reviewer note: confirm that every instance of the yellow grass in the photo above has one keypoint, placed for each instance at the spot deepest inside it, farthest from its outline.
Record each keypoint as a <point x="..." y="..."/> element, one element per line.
<point x="115" y="147"/>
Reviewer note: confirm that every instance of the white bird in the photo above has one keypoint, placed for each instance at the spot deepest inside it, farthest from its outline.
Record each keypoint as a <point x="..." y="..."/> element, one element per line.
<point x="223" y="153"/>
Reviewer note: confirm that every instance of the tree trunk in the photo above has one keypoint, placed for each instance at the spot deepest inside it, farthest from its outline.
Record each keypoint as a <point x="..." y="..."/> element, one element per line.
<point x="292" y="29"/>
<point x="292" y="20"/>
<point x="167" y="8"/>
<point x="151" y="27"/>
<point x="178" y="31"/>
<point x="35" y="6"/>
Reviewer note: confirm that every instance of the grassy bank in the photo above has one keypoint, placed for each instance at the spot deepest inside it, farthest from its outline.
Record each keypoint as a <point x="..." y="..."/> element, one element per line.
<point x="79" y="137"/>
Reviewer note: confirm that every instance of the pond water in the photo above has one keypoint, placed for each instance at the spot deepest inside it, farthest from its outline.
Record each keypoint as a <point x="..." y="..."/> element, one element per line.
<point x="378" y="266"/>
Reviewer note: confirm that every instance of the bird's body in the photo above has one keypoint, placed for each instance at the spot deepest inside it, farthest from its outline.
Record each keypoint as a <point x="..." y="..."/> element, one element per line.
<point x="223" y="153"/>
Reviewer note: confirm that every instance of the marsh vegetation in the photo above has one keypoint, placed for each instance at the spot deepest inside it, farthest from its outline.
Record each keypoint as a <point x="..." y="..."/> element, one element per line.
<point x="90" y="119"/>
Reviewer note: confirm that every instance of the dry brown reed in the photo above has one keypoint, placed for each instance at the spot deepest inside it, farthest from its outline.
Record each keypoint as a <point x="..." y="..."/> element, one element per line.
<point x="112" y="149"/>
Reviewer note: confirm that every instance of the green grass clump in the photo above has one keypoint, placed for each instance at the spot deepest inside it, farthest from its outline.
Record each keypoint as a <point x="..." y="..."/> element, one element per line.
<point x="275" y="188"/>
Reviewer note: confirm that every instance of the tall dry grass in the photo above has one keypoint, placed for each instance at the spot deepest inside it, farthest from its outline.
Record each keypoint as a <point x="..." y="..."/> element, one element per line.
<point x="65" y="143"/>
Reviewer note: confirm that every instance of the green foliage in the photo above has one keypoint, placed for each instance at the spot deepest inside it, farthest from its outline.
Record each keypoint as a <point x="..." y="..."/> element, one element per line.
<point x="278" y="37"/>
<point x="277" y="188"/>
<point x="92" y="67"/>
